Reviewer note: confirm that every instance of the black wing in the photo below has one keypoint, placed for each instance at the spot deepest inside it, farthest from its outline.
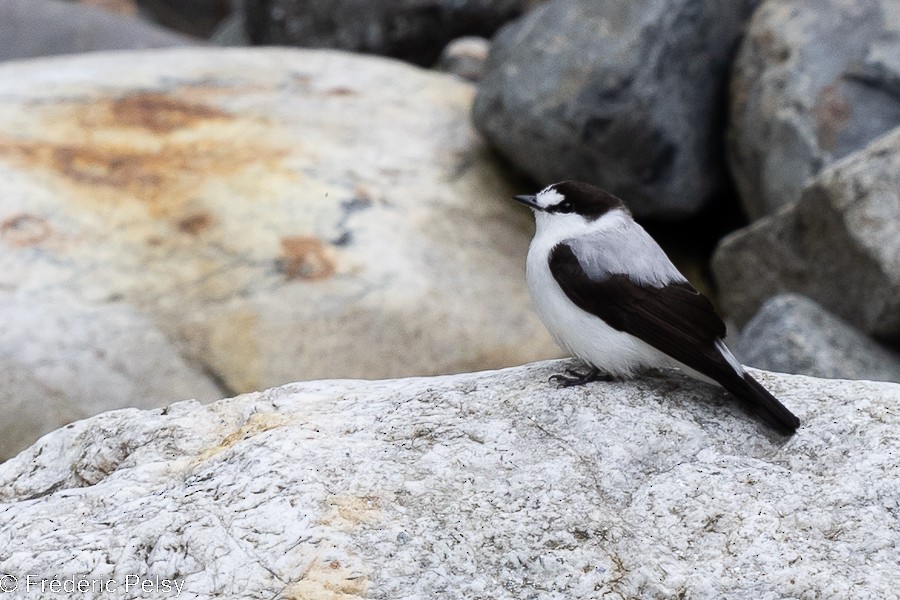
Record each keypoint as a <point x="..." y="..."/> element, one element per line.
<point x="675" y="319"/>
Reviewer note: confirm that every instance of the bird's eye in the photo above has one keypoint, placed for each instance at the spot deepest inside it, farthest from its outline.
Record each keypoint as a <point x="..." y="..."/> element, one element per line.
<point x="564" y="207"/>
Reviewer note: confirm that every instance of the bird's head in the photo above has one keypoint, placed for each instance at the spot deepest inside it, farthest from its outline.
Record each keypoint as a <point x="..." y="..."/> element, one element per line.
<point x="570" y="203"/>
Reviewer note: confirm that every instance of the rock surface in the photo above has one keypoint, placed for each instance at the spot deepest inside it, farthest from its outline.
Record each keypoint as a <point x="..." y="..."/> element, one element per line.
<point x="196" y="18"/>
<point x="121" y="7"/>
<point x="814" y="81"/>
<point x="280" y="214"/>
<point x="487" y="485"/>
<point x="34" y="28"/>
<point x="465" y="57"/>
<point x="838" y="245"/>
<point x="625" y="94"/>
<point x="414" y="30"/>
<point x="793" y="334"/>
<point x="62" y="360"/>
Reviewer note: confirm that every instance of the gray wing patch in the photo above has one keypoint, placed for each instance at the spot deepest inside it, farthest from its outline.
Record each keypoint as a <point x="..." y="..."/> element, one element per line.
<point x="626" y="250"/>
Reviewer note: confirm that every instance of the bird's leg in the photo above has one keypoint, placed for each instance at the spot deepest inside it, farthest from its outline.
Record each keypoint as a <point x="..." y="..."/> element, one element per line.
<point x="573" y="378"/>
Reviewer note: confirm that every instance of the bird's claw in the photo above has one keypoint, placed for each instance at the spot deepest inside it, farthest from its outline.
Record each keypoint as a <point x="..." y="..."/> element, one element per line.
<point x="574" y="378"/>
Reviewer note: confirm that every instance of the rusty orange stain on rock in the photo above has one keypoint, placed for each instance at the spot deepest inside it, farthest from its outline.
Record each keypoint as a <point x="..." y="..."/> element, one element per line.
<point x="24" y="230"/>
<point x="158" y="113"/>
<point x="304" y="257"/>
<point x="340" y="91"/>
<point x="832" y="112"/>
<point x="132" y="148"/>
<point x="195" y="223"/>
<point x="163" y="178"/>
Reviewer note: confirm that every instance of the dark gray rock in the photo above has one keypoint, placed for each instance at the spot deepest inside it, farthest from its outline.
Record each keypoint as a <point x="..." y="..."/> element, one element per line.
<point x="32" y="28"/>
<point x="814" y="80"/>
<point x="793" y="334"/>
<point x="839" y="245"/>
<point x="198" y="18"/>
<point x="414" y="30"/>
<point x="232" y="31"/>
<point x="465" y="57"/>
<point x="626" y="94"/>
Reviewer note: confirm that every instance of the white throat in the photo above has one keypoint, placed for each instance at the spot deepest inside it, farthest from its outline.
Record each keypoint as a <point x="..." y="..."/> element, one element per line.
<point x="551" y="229"/>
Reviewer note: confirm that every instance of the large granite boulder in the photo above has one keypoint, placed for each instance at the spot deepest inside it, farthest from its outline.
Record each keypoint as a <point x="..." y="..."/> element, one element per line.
<point x="793" y="334"/>
<point x="838" y="245"/>
<point x="62" y="360"/>
<point x="625" y="94"/>
<point x="34" y="28"/>
<point x="414" y="30"/>
<point x="279" y="214"/>
<point x="486" y="485"/>
<point x="814" y="81"/>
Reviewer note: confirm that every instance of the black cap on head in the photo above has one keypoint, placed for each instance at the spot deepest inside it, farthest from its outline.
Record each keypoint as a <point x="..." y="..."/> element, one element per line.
<point x="584" y="199"/>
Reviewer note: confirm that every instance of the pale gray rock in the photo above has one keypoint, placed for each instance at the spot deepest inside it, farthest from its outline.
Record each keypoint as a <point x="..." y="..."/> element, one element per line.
<point x="814" y="81"/>
<point x="793" y="334"/>
<point x="414" y="30"/>
<point x="838" y="245"/>
<point x="62" y="360"/>
<point x="486" y="485"/>
<point x="35" y="28"/>
<point x="465" y="57"/>
<point x="280" y="214"/>
<point x="625" y="94"/>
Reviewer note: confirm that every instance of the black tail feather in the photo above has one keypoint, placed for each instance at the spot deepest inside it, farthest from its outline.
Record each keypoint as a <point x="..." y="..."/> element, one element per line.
<point x="760" y="401"/>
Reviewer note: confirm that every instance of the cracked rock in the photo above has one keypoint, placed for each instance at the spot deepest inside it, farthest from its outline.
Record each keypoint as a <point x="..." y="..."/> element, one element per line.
<point x="483" y="485"/>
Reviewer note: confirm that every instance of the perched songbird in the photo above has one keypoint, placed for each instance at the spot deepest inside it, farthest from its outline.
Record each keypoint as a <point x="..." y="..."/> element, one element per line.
<point x="610" y="296"/>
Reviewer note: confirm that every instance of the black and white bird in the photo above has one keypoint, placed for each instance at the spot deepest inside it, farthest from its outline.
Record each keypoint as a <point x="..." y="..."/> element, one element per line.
<point x="610" y="296"/>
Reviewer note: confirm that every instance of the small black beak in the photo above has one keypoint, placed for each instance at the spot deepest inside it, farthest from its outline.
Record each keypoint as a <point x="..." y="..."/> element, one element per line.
<point x="529" y="201"/>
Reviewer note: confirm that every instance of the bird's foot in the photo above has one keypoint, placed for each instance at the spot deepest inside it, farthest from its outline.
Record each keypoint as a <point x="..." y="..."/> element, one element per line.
<point x="573" y="378"/>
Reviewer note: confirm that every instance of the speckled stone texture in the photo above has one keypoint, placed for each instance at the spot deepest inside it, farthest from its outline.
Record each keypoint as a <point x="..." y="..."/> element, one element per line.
<point x="485" y="485"/>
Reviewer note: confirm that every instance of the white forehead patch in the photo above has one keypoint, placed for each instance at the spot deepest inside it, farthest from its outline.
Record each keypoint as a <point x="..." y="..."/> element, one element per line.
<point x="548" y="197"/>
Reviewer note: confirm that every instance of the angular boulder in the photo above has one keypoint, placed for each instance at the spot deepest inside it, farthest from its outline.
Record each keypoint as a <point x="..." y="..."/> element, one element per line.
<point x="485" y="485"/>
<point x="625" y="94"/>
<point x="838" y="245"/>
<point x="814" y="81"/>
<point x="793" y="334"/>
<point x="279" y="214"/>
